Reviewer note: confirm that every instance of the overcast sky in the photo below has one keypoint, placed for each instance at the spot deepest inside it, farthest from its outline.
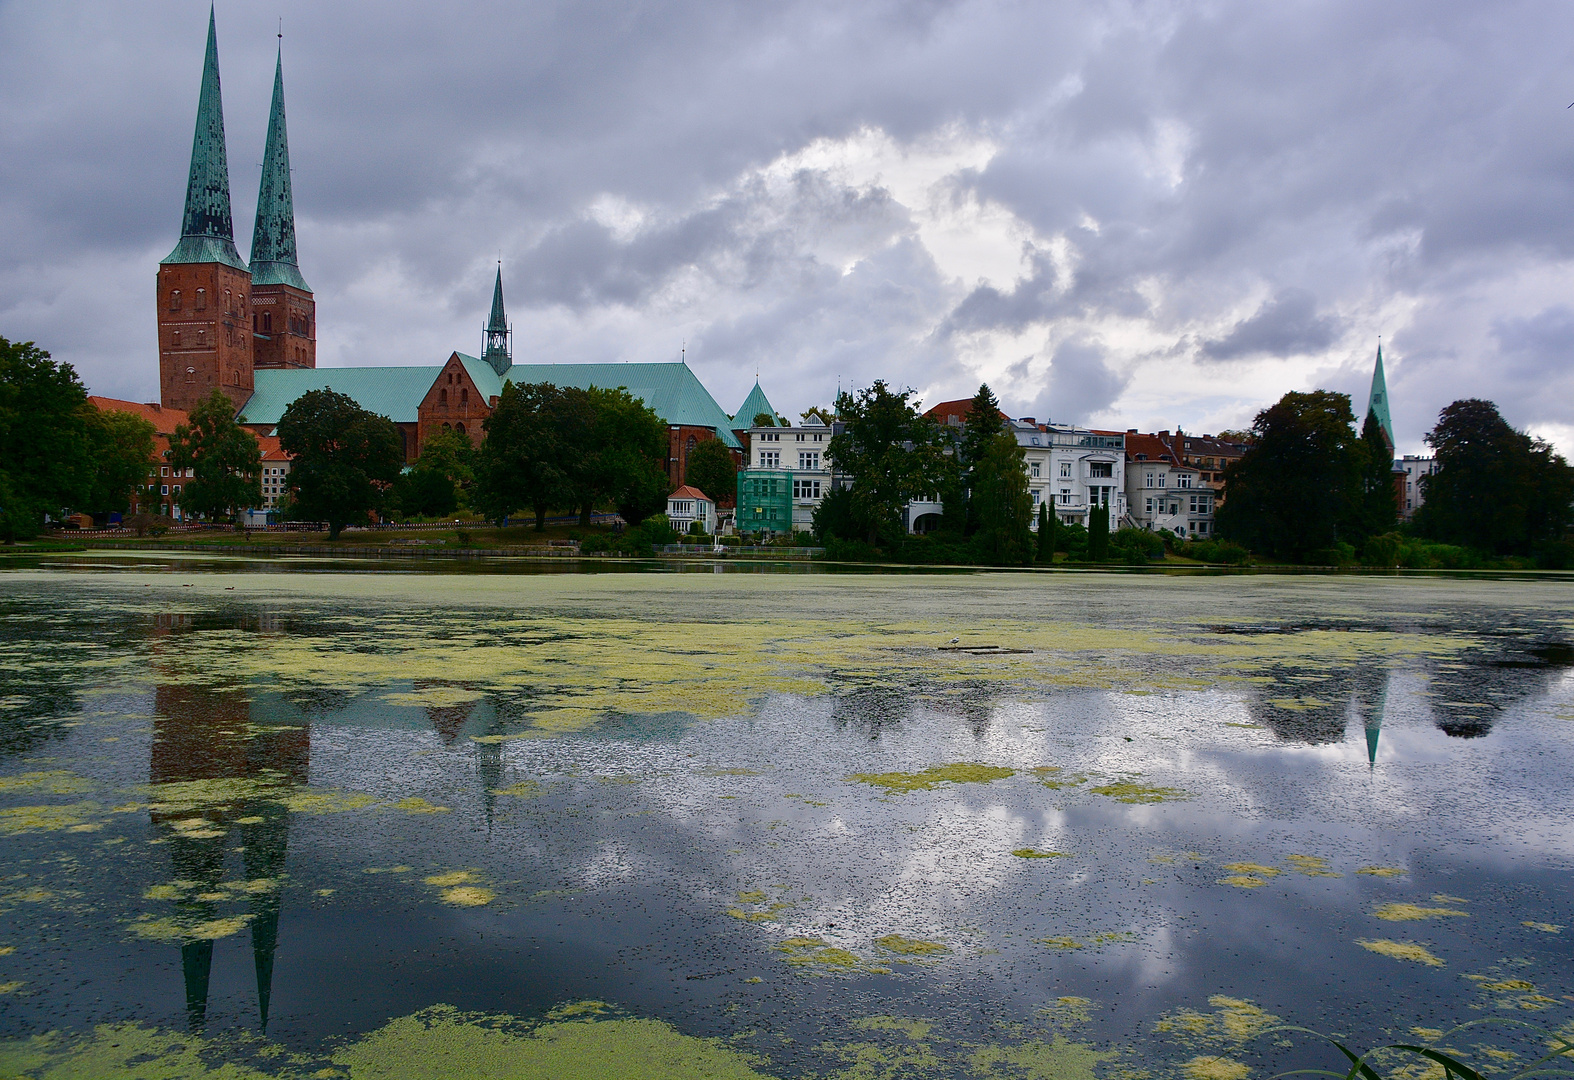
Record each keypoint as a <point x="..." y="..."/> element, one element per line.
<point x="1122" y="214"/>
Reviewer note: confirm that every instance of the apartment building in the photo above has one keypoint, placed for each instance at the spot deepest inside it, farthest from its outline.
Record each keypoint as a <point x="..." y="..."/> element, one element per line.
<point x="1163" y="490"/>
<point x="786" y="474"/>
<point x="1073" y="469"/>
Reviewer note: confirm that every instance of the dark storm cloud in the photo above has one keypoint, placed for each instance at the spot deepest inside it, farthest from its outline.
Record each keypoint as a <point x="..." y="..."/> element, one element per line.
<point x="1402" y="168"/>
<point x="1287" y="325"/>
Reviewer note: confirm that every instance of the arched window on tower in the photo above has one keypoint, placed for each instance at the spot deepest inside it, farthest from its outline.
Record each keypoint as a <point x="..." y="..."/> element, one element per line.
<point x="267" y="322"/>
<point x="459" y="428"/>
<point x="174" y="300"/>
<point x="446" y="427"/>
<point x="442" y="398"/>
<point x="202" y="299"/>
<point x="464" y="396"/>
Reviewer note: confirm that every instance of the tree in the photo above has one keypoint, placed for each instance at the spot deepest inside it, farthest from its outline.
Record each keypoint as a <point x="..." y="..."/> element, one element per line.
<point x="1046" y="532"/>
<point x="535" y="439"/>
<point x="984" y="422"/>
<point x="345" y="458"/>
<point x="1098" y="534"/>
<point x="626" y="464"/>
<point x="892" y="453"/>
<point x="224" y="457"/>
<point x="712" y="470"/>
<point x="818" y="413"/>
<point x="1379" y="512"/>
<point x="764" y="419"/>
<point x="1297" y="488"/>
<point x="1495" y="488"/>
<point x="1001" y="503"/>
<point x="442" y="477"/>
<point x="122" y="449"/>
<point x="46" y="453"/>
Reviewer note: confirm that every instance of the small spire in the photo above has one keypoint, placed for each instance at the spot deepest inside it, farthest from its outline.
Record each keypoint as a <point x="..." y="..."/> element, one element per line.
<point x="1377" y="399"/>
<point x="498" y="337"/>
<point x="273" y="256"/>
<point x="207" y="232"/>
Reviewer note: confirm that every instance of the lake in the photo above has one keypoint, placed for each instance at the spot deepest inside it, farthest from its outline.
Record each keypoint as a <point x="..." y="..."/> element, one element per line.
<point x="287" y="818"/>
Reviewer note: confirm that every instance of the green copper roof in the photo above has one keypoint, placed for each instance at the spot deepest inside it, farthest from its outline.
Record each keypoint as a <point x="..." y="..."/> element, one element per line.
<point x="753" y="405"/>
<point x="396" y="392"/>
<point x="273" y="259"/>
<point x="497" y="354"/>
<point x="207" y="233"/>
<point x="1377" y="400"/>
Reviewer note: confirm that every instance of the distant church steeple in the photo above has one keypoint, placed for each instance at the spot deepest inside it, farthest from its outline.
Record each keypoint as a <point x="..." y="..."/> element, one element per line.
<point x="498" y="347"/>
<point x="203" y="291"/>
<point x="1377" y="400"/>
<point x="284" y="320"/>
<point x="273" y="259"/>
<point x="207" y="232"/>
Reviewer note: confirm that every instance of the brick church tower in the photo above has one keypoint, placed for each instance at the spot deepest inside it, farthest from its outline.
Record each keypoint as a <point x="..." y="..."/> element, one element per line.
<point x="204" y="318"/>
<point x="284" y="315"/>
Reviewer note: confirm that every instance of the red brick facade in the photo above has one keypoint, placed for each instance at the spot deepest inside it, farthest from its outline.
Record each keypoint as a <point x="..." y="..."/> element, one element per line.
<point x="454" y="402"/>
<point x="204" y="331"/>
<point x="284" y="327"/>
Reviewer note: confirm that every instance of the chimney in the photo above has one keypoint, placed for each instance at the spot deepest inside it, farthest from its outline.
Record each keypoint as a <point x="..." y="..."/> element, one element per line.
<point x="1131" y="431"/>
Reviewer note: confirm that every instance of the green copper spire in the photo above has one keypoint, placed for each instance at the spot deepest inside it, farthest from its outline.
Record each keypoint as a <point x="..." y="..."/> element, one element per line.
<point x="207" y="233"/>
<point x="498" y="352"/>
<point x="753" y="405"/>
<point x="273" y="260"/>
<point x="1377" y="401"/>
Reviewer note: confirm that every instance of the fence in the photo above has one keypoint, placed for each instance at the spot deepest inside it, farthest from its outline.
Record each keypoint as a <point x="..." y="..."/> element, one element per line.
<point x="743" y="549"/>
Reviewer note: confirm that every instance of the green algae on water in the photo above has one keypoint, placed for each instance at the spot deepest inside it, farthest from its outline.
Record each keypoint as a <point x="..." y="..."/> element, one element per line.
<point x="1034" y="853"/>
<point x="910" y="946"/>
<point x="1059" y="1058"/>
<point x="962" y="772"/>
<point x="1414" y="913"/>
<point x="1400" y="950"/>
<point x="1128" y="792"/>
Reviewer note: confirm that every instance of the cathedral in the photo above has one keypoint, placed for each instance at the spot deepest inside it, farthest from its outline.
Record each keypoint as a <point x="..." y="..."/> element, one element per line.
<point x="250" y="330"/>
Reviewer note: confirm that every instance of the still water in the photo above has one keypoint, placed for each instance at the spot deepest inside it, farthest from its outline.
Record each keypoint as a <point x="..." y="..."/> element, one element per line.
<point x="261" y="822"/>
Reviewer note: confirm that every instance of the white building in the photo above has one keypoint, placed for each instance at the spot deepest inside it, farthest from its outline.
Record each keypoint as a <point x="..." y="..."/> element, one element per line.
<point x="1164" y="492"/>
<point x="688" y="505"/>
<point x="785" y="476"/>
<point x="1415" y="468"/>
<point x="1073" y="469"/>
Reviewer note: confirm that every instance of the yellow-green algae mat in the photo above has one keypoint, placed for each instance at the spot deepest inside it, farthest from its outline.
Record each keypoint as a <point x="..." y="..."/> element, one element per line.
<point x="581" y="1041"/>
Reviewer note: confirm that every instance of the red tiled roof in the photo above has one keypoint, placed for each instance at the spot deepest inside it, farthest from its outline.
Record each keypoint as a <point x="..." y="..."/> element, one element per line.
<point x="1151" y="447"/>
<point x="960" y="408"/>
<point x="271" y="451"/>
<point x="686" y="492"/>
<point x="163" y="419"/>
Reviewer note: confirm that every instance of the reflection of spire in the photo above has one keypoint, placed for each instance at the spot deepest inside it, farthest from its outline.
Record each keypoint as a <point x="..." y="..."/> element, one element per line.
<point x="265" y="842"/>
<point x="196" y="964"/>
<point x="489" y="760"/>
<point x="1374" y="721"/>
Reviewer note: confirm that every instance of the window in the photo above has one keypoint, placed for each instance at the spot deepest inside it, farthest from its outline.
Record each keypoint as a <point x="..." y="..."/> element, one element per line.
<point x="806" y="489"/>
<point x="1183" y="480"/>
<point x="1201" y="504"/>
<point x="267" y="322"/>
<point x="1037" y="496"/>
<point x="1147" y="507"/>
<point x="163" y="489"/>
<point x="1065" y="496"/>
<point x="1147" y="481"/>
<point x="800" y="436"/>
<point x="164" y="470"/>
<point x="1162" y="478"/>
<point x="683" y="508"/>
<point x="770" y="459"/>
<point x="689" y="446"/>
<point x="174" y="300"/>
<point x="202" y="299"/>
<point x="202" y="337"/>
<point x="464" y="396"/>
<point x="818" y="438"/>
<point x="1202" y="527"/>
<point x="1102" y="469"/>
<point x="442" y="398"/>
<point x="809" y="459"/>
<point x="1032" y="470"/>
<point x="174" y="339"/>
<point x="1065" y="470"/>
<point x="228" y="302"/>
<point x="459" y="428"/>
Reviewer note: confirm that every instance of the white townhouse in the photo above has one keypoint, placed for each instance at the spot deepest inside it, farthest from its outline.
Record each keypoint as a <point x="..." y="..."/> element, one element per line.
<point x="785" y="476"/>
<point x="1073" y="469"/>
<point x="1164" y="492"/>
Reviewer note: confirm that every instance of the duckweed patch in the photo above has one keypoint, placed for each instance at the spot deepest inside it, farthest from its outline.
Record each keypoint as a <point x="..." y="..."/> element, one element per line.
<point x="1035" y="853"/>
<point x="1382" y="871"/>
<point x="816" y="956"/>
<point x="1544" y="927"/>
<point x="417" y="805"/>
<point x="1128" y="792"/>
<point x="1398" y="912"/>
<point x="905" y="946"/>
<point x="171" y="929"/>
<point x="962" y="772"/>
<point x="68" y="817"/>
<point x="1212" y="1067"/>
<point x="1311" y="866"/>
<point x="1057" y="1058"/>
<point x="1401" y="950"/>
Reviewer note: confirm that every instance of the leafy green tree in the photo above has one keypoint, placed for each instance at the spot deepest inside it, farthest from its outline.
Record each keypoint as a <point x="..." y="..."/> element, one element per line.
<point x="46" y="451"/>
<point x="892" y="453"/>
<point x="122" y="450"/>
<point x="984" y="422"/>
<point x="833" y="517"/>
<point x="345" y="458"/>
<point x="1379" y="513"/>
<point x="425" y="493"/>
<point x="452" y="456"/>
<point x="535" y="440"/>
<point x="1297" y="489"/>
<point x="712" y="470"/>
<point x="224" y="457"/>
<point x="1098" y="534"/>
<point x="626" y="463"/>
<point x="1046" y="532"/>
<point x="820" y="413"/>
<point x="764" y="419"/>
<point x="1001" y="503"/>
<point x="1496" y="489"/>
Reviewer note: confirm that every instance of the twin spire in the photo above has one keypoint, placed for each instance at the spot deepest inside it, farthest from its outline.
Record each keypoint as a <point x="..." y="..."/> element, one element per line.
<point x="207" y="230"/>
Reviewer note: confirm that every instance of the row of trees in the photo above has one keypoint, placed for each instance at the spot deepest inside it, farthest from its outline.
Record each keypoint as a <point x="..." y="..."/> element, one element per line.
<point x="59" y="454"/>
<point x="1311" y="489"/>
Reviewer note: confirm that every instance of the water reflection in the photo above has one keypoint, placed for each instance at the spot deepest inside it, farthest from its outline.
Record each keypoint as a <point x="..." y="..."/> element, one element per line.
<point x="1469" y="695"/>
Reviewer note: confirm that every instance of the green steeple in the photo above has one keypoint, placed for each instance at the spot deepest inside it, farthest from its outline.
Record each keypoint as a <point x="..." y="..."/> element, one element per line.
<point x="753" y="405"/>
<point x="497" y="351"/>
<point x="1377" y="400"/>
<point x="273" y="260"/>
<point x="207" y="233"/>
